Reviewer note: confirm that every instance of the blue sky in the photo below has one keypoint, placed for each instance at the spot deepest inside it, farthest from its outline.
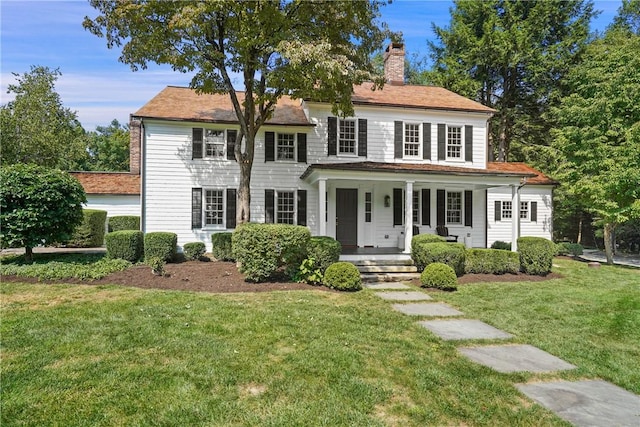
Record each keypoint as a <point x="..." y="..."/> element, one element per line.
<point x="99" y="88"/>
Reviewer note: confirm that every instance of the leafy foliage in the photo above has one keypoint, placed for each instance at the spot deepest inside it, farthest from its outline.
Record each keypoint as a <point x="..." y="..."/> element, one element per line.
<point x="38" y="206"/>
<point x="324" y="251"/>
<point x="67" y="266"/>
<point x="343" y="276"/>
<point x="536" y="255"/>
<point x="194" y="251"/>
<point x="157" y="265"/>
<point x="499" y="244"/>
<point x="451" y="254"/>
<point x="89" y="234"/>
<point x="566" y="248"/>
<point x="221" y="246"/>
<point x="124" y="222"/>
<point x="125" y="244"/>
<point x="108" y="147"/>
<point x="439" y="276"/>
<point x="160" y="244"/>
<point x="309" y="272"/>
<point x="491" y="261"/>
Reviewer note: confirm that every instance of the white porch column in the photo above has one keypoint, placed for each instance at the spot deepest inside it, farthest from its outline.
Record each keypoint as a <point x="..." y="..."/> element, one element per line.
<point x="408" y="217"/>
<point x="515" y="217"/>
<point x="322" y="203"/>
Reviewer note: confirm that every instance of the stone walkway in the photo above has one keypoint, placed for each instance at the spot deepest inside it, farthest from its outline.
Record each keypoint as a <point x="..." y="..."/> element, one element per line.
<point x="582" y="403"/>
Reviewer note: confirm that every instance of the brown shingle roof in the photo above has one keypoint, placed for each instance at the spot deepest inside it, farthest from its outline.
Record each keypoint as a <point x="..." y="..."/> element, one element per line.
<point x="413" y="96"/>
<point x="109" y="182"/>
<point x="516" y="167"/>
<point x="181" y="103"/>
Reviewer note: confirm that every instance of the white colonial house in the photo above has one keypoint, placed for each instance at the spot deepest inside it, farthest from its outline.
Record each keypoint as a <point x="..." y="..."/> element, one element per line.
<point x="412" y="158"/>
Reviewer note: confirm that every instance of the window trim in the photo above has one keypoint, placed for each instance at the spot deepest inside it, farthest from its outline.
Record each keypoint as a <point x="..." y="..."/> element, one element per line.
<point x="419" y="152"/>
<point x="504" y="209"/>
<point x="526" y="211"/>
<point x="460" y="211"/>
<point x="353" y="120"/>
<point x="276" y="207"/>
<point x="294" y="148"/>
<point x="203" y="212"/>
<point x="203" y="143"/>
<point x="461" y="157"/>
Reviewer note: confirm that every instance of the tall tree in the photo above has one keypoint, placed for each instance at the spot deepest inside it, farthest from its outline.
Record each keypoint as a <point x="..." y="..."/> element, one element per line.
<point x="628" y="17"/>
<point x="511" y="55"/>
<point x="36" y="128"/>
<point x="597" y="140"/>
<point x="299" y="48"/>
<point x="108" y="147"/>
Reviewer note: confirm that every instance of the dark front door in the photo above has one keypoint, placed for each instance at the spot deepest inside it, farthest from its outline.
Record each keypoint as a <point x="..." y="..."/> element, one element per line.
<point x="347" y="216"/>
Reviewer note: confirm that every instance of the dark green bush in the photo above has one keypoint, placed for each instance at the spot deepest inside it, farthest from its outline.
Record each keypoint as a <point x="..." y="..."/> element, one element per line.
<point x="536" y="255"/>
<point x="491" y="261"/>
<point x="343" y="276"/>
<point x="324" y="251"/>
<point x="451" y="254"/>
<point x="160" y="244"/>
<point x="89" y="234"/>
<point x="194" y="250"/>
<point x="499" y="244"/>
<point x="125" y="244"/>
<point x="221" y="249"/>
<point x="157" y="265"/>
<point x="439" y="276"/>
<point x="566" y="248"/>
<point x="124" y="222"/>
<point x="262" y="250"/>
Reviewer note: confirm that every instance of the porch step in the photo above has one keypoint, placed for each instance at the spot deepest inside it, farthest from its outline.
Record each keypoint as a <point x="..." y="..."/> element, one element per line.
<point x="382" y="262"/>
<point x="387" y="268"/>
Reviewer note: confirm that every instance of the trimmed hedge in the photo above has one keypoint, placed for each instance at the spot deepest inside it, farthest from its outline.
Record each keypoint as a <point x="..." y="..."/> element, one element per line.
<point x="536" y="255"/>
<point x="499" y="244"/>
<point x="343" y="276"/>
<point x="566" y="248"/>
<point x="262" y="250"/>
<point x="439" y="276"/>
<point x="451" y="254"/>
<point x="89" y="234"/>
<point x="324" y="251"/>
<point x="124" y="222"/>
<point x="125" y="244"/>
<point x="160" y="244"/>
<point x="491" y="261"/>
<point x="221" y="249"/>
<point x="193" y="251"/>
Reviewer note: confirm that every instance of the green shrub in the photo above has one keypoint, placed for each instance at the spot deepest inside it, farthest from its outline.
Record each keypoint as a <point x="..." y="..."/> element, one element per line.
<point x="160" y="244"/>
<point x="343" y="276"/>
<point x="439" y="276"/>
<point x="262" y="250"/>
<point x="157" y="265"/>
<point x="566" y="248"/>
<point x="125" y="244"/>
<point x="194" y="250"/>
<point x="89" y="234"/>
<point x="324" y="251"/>
<point x="536" y="255"/>
<point x="62" y="266"/>
<point x="427" y="238"/>
<point x="451" y="254"/>
<point x="309" y="272"/>
<point x="221" y="249"/>
<point x="499" y="244"/>
<point x="491" y="261"/>
<point x="124" y="222"/>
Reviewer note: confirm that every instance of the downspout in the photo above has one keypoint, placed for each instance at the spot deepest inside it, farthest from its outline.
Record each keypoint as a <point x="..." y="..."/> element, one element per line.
<point x="515" y="214"/>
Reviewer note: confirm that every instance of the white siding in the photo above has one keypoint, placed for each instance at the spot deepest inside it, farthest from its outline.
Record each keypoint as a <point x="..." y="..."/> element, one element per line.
<point x="115" y="205"/>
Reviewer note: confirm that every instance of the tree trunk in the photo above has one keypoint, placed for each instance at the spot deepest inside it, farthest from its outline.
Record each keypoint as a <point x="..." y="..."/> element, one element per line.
<point x="243" y="213"/>
<point x="28" y="254"/>
<point x="580" y="220"/>
<point x="502" y="139"/>
<point x="608" y="242"/>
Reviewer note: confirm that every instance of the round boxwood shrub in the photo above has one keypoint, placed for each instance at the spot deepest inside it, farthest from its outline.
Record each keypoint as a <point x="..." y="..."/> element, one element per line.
<point x="160" y="244"/>
<point x="89" y="234"/>
<point x="451" y="254"/>
<point x="125" y="244"/>
<point x="324" y="251"/>
<point x="343" y="276"/>
<point x="567" y="248"/>
<point x="439" y="276"/>
<point x="124" y="222"/>
<point x="193" y="251"/>
<point x="221" y="246"/>
<point x="536" y="255"/>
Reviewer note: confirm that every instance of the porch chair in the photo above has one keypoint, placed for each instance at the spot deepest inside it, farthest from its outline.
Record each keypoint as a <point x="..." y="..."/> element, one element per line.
<point x="444" y="232"/>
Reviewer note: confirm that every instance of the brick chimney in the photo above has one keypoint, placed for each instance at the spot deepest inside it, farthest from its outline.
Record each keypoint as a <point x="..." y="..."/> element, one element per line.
<point x="135" y="125"/>
<point x="394" y="64"/>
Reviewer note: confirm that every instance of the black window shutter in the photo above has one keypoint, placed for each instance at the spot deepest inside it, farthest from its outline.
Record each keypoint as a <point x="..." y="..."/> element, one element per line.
<point x="196" y="208"/>
<point x="362" y="137"/>
<point x="426" y="206"/>
<point x="441" y="207"/>
<point x="269" y="146"/>
<point x="231" y="208"/>
<point x="468" y="143"/>
<point x="231" y="144"/>
<point x="196" y="143"/>
<point x="397" y="206"/>
<point x="468" y="208"/>
<point x="302" y="147"/>
<point x="302" y="207"/>
<point x="332" y="137"/>
<point x="397" y="140"/>
<point x="534" y="211"/>
<point x="426" y="141"/>
<point x="498" y="210"/>
<point x="269" y="206"/>
<point x="442" y="138"/>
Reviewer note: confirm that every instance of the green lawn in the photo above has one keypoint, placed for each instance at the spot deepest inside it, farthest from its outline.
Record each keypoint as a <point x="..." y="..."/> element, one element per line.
<point x="108" y="355"/>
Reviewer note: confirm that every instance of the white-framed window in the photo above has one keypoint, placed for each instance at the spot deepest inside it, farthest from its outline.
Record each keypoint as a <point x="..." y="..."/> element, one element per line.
<point x="524" y="210"/>
<point x="213" y="207"/>
<point x="347" y="135"/>
<point x="507" y="210"/>
<point x="285" y="207"/>
<point x="454" y="207"/>
<point x="416" y="207"/>
<point x="286" y="146"/>
<point x="411" y="146"/>
<point x="368" y="206"/>
<point x="214" y="142"/>
<point x="454" y="142"/>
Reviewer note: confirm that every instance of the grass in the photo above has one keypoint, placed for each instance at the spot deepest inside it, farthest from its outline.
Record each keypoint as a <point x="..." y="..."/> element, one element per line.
<point x="62" y="266"/>
<point x="108" y="355"/>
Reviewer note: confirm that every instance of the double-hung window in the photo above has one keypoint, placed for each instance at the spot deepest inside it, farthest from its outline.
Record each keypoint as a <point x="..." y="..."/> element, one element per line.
<point x="214" y="207"/>
<point x="507" y="210"/>
<point x="347" y="137"/>
<point x="454" y="207"/>
<point x="286" y="146"/>
<point x="214" y="142"/>
<point x="416" y="207"/>
<point x="411" y="139"/>
<point x="524" y="210"/>
<point x="454" y="142"/>
<point x="286" y="207"/>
